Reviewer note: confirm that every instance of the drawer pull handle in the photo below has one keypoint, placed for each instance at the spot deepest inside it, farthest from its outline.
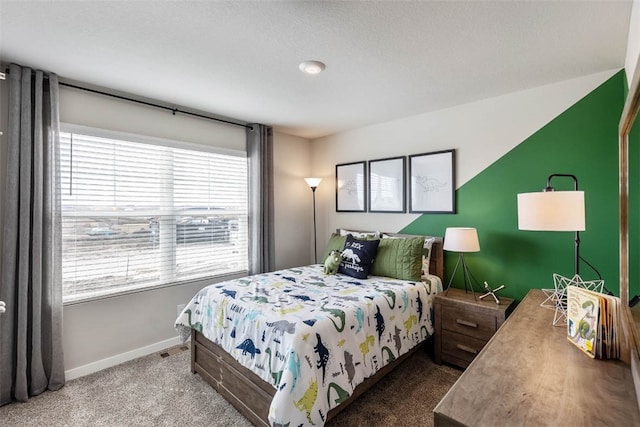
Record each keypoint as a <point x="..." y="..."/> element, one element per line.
<point x="467" y="349"/>
<point x="466" y="323"/>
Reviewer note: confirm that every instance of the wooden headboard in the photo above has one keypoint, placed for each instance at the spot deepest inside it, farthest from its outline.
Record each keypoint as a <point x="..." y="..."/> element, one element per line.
<point x="436" y="263"/>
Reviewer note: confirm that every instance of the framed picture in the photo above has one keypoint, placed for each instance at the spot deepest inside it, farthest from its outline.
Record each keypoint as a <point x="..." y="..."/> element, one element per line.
<point x="351" y="182"/>
<point x="432" y="186"/>
<point x="387" y="185"/>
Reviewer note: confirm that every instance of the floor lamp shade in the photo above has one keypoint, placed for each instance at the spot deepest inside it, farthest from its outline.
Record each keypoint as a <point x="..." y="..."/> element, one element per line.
<point x="461" y="239"/>
<point x="551" y="211"/>
<point x="313" y="182"/>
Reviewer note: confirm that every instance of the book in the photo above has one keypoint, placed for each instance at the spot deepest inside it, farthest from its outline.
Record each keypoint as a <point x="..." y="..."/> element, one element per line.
<point x="593" y="322"/>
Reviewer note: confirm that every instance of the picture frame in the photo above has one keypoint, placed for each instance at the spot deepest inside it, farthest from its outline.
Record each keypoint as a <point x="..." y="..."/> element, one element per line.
<point x="351" y="184"/>
<point x="432" y="184"/>
<point x="387" y="185"/>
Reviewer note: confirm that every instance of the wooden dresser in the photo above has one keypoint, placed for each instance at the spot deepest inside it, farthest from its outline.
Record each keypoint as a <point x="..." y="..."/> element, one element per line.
<point x="529" y="374"/>
<point x="464" y="325"/>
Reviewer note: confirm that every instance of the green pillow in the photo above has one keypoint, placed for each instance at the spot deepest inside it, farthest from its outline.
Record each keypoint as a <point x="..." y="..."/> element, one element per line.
<point x="336" y="243"/>
<point x="399" y="258"/>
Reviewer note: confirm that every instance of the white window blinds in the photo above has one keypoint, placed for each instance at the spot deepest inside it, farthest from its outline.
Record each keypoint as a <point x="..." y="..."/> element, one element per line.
<point x="138" y="215"/>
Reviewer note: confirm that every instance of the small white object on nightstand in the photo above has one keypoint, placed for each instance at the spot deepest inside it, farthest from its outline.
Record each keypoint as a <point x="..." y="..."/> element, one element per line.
<point x="492" y="292"/>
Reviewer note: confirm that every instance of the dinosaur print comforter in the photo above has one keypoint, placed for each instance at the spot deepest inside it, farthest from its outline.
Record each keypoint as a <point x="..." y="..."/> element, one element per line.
<point x="315" y="337"/>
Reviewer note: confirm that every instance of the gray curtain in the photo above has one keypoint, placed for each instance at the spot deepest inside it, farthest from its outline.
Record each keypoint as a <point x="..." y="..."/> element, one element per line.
<point x="261" y="233"/>
<point x="31" y="359"/>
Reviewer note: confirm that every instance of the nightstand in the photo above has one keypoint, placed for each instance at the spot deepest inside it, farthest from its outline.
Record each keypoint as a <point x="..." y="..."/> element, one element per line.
<point x="464" y="325"/>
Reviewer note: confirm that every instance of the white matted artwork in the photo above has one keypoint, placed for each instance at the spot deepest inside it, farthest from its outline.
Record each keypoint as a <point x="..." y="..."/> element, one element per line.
<point x="387" y="185"/>
<point x="351" y="182"/>
<point x="432" y="182"/>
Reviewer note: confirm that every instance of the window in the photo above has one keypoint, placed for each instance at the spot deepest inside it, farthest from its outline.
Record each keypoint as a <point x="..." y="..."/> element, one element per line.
<point x="140" y="213"/>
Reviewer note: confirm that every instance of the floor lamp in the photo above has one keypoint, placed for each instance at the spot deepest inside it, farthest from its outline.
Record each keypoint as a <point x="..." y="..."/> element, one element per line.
<point x="313" y="184"/>
<point x="461" y="240"/>
<point x="551" y="210"/>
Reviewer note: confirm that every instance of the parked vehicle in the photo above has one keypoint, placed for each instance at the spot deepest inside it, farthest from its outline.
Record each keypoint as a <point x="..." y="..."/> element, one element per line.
<point x="202" y="229"/>
<point x="101" y="231"/>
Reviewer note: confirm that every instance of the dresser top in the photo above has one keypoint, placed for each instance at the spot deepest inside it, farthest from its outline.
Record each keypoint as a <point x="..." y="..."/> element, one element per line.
<point x="460" y="295"/>
<point x="530" y="374"/>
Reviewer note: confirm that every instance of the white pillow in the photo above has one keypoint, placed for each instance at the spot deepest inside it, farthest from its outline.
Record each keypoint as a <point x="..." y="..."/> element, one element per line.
<point x="426" y="259"/>
<point x="361" y="234"/>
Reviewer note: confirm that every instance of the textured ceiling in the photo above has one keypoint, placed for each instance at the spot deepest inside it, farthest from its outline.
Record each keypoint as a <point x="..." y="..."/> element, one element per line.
<point x="385" y="59"/>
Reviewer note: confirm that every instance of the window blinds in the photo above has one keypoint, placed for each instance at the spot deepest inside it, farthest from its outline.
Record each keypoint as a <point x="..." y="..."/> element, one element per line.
<point x="138" y="215"/>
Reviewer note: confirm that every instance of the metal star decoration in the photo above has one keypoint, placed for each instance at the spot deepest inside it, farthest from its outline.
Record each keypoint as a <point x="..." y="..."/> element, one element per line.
<point x="557" y="297"/>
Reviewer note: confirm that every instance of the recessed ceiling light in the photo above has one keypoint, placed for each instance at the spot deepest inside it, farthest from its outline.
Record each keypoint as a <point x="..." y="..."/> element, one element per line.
<point x="311" y="67"/>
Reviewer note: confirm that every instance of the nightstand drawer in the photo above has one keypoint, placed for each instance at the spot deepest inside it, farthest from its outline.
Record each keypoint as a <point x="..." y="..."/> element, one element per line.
<point x="460" y="346"/>
<point x="467" y="322"/>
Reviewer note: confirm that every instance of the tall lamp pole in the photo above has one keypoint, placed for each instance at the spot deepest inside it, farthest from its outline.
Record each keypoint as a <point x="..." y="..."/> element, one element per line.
<point x="313" y="184"/>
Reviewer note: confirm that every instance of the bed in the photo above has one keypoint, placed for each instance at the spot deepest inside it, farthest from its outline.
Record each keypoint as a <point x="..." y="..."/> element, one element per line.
<point x="296" y="346"/>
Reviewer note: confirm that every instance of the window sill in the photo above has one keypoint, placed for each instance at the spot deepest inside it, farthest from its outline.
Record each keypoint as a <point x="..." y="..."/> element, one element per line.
<point x="206" y="281"/>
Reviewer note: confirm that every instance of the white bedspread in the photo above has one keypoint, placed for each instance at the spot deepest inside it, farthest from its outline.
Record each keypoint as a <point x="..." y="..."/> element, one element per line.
<point x="314" y="337"/>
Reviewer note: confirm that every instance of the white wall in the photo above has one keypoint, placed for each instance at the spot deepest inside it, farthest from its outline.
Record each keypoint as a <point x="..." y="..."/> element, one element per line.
<point x="481" y="132"/>
<point x="88" y="109"/>
<point x="101" y="333"/>
<point x="293" y="202"/>
<point x="633" y="43"/>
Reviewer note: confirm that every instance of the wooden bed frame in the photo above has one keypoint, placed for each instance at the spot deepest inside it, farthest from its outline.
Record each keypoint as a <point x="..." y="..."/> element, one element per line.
<point x="250" y="394"/>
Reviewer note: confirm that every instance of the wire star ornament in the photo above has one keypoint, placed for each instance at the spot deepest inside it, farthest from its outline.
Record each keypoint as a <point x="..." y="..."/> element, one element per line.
<point x="557" y="297"/>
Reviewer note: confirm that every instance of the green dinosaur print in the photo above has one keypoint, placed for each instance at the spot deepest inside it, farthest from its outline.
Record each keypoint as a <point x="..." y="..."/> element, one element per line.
<point x="320" y="284"/>
<point x="277" y="376"/>
<point x="284" y="311"/>
<point x="342" y="394"/>
<point x="391" y="357"/>
<point x="305" y="404"/>
<point x="243" y="282"/>
<point x="221" y="311"/>
<point x="424" y="333"/>
<point x="412" y="320"/>
<point x="364" y="347"/>
<point x="197" y="326"/>
<point x="335" y="313"/>
<point x="390" y="295"/>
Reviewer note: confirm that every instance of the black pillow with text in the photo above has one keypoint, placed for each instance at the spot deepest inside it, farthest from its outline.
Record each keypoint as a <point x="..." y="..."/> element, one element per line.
<point x="357" y="257"/>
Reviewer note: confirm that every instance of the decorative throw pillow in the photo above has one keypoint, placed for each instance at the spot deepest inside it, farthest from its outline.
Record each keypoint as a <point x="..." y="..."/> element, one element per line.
<point x="357" y="257"/>
<point x="400" y="258"/>
<point x="336" y="243"/>
<point x="426" y="254"/>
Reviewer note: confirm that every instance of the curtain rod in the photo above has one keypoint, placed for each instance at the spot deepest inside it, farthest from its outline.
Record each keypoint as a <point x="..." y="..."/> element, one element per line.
<point x="150" y="104"/>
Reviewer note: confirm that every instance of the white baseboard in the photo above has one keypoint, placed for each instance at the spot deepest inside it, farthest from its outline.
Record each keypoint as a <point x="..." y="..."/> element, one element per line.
<point x="99" y="365"/>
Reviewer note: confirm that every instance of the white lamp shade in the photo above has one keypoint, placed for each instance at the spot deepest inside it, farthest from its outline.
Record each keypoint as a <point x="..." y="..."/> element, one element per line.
<point x="313" y="182"/>
<point x="461" y="239"/>
<point x="551" y="211"/>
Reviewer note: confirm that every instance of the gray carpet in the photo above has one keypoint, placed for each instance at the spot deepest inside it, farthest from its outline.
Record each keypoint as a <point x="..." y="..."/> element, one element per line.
<point x="157" y="391"/>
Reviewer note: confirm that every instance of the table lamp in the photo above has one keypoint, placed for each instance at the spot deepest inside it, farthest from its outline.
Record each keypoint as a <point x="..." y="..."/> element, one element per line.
<point x="461" y="240"/>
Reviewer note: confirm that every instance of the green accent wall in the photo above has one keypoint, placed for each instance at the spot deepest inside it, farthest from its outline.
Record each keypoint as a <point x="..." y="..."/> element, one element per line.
<point x="581" y="141"/>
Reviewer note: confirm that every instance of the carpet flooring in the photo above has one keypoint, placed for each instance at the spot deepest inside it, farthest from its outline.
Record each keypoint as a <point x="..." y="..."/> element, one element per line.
<point x="159" y="390"/>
